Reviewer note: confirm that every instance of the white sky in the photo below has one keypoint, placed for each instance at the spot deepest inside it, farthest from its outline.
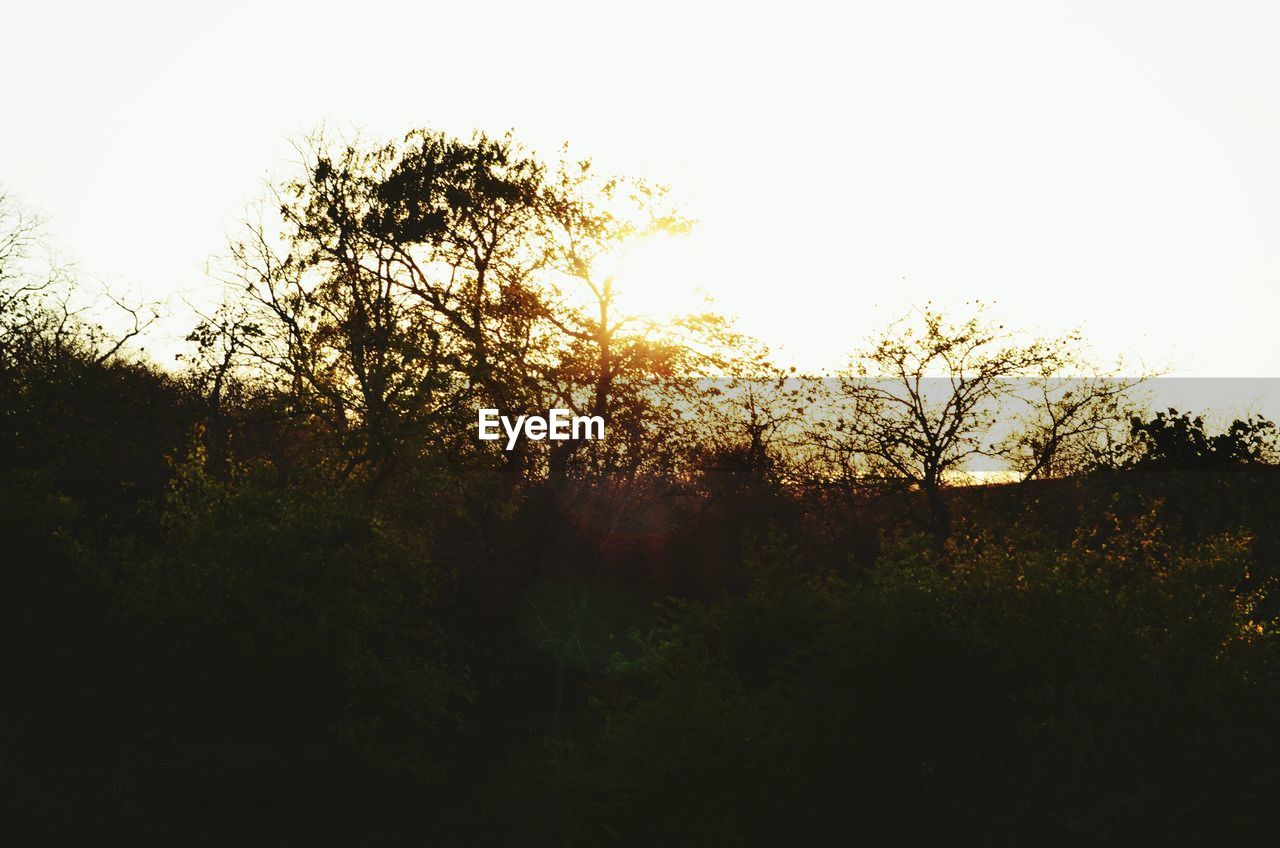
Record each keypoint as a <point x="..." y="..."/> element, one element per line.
<point x="1109" y="165"/>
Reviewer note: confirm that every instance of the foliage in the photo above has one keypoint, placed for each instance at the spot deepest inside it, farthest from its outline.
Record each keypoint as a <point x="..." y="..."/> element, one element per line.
<point x="998" y="691"/>
<point x="1173" y="440"/>
<point x="281" y="595"/>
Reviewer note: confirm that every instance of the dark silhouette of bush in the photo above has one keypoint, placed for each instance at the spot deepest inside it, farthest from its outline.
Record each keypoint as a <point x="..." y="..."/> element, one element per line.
<point x="1178" y="441"/>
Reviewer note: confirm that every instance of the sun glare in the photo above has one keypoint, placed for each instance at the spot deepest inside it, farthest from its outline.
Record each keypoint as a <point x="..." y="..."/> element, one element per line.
<point x="660" y="276"/>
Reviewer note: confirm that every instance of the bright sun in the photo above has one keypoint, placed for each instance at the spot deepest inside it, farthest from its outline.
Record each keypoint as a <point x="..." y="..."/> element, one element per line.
<point x="660" y="276"/>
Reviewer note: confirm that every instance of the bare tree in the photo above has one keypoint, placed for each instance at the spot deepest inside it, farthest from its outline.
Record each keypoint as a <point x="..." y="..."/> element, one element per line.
<point x="1072" y="421"/>
<point x="922" y="400"/>
<point x="45" y="312"/>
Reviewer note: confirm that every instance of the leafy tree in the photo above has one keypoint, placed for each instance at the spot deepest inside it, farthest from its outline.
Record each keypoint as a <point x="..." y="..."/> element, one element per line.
<point x="413" y="281"/>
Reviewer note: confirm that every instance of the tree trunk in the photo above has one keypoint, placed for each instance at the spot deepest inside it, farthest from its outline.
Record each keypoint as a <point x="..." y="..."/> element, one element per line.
<point x="938" y="512"/>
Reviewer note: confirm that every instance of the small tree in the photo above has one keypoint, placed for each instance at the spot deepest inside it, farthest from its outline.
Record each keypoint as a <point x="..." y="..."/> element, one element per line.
<point x="923" y="398"/>
<point x="1071" y="423"/>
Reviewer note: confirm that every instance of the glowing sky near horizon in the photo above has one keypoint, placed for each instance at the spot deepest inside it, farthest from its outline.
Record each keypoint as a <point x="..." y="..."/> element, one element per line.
<point x="1113" y="166"/>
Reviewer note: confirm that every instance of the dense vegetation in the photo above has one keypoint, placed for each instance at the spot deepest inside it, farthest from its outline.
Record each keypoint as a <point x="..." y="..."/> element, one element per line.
<point x="281" y="595"/>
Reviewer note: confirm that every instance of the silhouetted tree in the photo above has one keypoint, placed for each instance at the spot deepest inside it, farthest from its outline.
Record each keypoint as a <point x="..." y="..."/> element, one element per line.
<point x="922" y="399"/>
<point x="1073" y="421"/>
<point x="1179" y="441"/>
